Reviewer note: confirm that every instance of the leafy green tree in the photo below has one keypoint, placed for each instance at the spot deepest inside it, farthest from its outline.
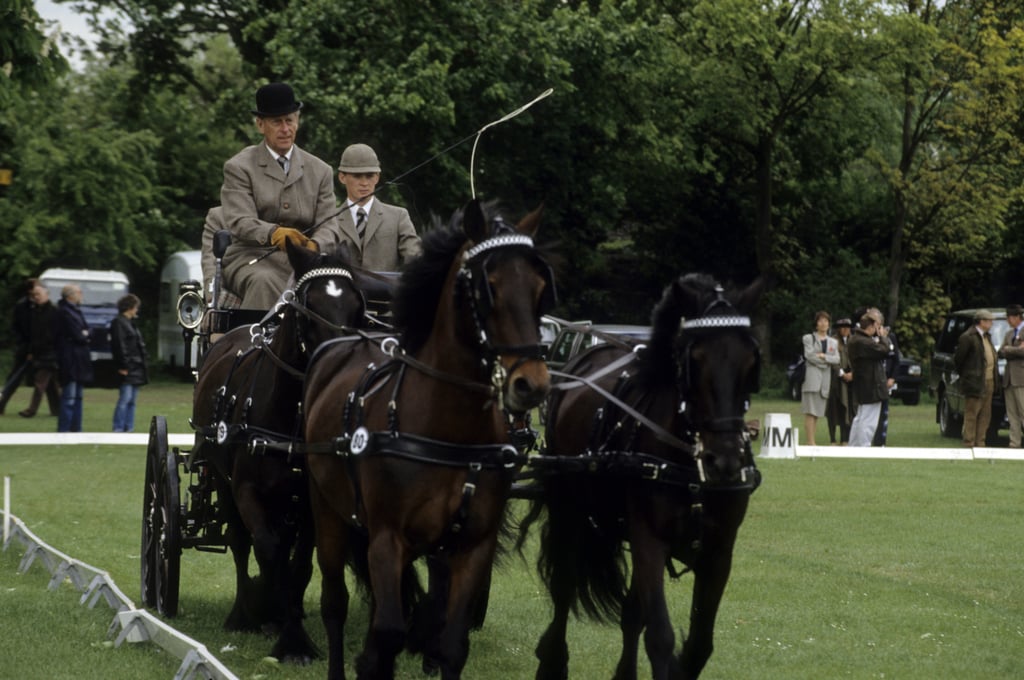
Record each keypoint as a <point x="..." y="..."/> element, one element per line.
<point x="28" y="57"/>
<point x="955" y="73"/>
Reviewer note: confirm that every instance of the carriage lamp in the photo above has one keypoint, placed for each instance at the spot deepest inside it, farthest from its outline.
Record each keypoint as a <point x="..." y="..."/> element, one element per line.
<point x="190" y="305"/>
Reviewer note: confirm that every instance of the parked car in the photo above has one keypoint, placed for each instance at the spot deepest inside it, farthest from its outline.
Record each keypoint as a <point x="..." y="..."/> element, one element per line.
<point x="549" y="327"/>
<point x="944" y="382"/>
<point x="575" y="338"/>
<point x="908" y="380"/>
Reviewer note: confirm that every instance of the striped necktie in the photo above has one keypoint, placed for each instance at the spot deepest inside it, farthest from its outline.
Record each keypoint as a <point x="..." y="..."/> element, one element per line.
<point x="283" y="162"/>
<point x="360" y="222"/>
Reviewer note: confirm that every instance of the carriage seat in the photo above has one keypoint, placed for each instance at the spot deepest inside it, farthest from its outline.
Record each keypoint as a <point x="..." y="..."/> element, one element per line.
<point x="214" y="223"/>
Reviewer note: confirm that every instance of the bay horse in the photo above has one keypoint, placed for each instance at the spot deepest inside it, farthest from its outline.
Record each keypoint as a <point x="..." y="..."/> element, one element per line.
<point x="418" y="434"/>
<point x="247" y="416"/>
<point x="648" y="446"/>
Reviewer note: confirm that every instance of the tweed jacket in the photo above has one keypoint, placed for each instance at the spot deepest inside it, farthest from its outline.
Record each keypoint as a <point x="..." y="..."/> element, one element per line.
<point x="818" y="377"/>
<point x="868" y="360"/>
<point x="257" y="196"/>
<point x="1013" y="352"/>
<point x="969" y="360"/>
<point x="390" y="239"/>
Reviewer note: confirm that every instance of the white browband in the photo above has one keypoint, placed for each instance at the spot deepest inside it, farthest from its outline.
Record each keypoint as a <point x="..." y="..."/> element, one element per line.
<point x="324" y="271"/>
<point x="717" y="322"/>
<point x="497" y="242"/>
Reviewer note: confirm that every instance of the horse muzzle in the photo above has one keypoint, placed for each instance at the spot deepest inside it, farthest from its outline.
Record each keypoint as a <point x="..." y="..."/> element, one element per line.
<point x="527" y="385"/>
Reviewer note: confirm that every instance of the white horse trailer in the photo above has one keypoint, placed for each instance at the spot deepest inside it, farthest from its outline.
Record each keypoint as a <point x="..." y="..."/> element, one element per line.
<point x="179" y="267"/>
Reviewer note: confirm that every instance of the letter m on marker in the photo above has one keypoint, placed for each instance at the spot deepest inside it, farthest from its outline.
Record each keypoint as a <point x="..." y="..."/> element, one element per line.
<point x="782" y="437"/>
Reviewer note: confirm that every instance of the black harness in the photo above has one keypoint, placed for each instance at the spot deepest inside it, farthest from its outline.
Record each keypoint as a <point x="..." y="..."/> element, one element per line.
<point x="357" y="442"/>
<point x="620" y="421"/>
<point x="261" y="335"/>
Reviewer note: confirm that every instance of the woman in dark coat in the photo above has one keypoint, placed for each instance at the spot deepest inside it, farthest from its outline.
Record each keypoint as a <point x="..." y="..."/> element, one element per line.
<point x="130" y="358"/>
<point x="75" y="366"/>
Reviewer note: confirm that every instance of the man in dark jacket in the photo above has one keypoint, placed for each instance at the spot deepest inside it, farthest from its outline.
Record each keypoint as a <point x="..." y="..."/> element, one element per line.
<point x="130" y="358"/>
<point x="75" y="365"/>
<point x="867" y="357"/>
<point x="975" y="361"/>
<point x="20" y="325"/>
<point x="42" y="354"/>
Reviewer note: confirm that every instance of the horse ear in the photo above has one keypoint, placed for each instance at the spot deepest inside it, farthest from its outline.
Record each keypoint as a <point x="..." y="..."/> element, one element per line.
<point x="746" y="301"/>
<point x="474" y="223"/>
<point x="344" y="252"/>
<point x="686" y="296"/>
<point x="301" y="259"/>
<point x="528" y="225"/>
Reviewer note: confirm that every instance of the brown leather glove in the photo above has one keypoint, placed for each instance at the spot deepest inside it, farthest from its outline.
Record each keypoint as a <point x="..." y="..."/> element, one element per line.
<point x="280" y="235"/>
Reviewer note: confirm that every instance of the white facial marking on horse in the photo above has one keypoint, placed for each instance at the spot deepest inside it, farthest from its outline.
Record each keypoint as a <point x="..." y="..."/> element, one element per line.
<point x="333" y="290"/>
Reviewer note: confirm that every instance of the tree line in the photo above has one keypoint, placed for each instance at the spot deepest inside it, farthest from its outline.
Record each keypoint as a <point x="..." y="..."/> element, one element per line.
<point x="854" y="152"/>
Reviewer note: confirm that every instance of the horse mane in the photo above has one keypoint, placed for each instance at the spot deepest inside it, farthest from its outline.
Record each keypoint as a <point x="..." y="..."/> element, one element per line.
<point x="687" y="296"/>
<point x="418" y="295"/>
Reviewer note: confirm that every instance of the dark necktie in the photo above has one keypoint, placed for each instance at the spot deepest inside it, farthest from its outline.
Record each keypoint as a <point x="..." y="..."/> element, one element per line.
<point x="360" y="223"/>
<point x="283" y="162"/>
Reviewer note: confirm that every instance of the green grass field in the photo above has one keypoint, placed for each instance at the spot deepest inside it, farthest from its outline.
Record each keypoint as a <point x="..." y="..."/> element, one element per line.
<point x="844" y="569"/>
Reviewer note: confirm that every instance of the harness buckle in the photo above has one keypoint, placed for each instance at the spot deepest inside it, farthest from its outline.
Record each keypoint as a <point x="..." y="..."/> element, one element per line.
<point x="468" y="490"/>
<point x="651" y="471"/>
<point x="257" y="446"/>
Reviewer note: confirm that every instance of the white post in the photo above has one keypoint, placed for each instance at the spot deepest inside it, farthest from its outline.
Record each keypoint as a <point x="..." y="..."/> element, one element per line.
<point x="7" y="508"/>
<point x="779" y="437"/>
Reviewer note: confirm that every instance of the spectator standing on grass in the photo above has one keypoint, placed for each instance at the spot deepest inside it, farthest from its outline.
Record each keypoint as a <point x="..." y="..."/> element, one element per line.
<point x="889" y="365"/>
<point x="42" y="353"/>
<point x="1012" y="350"/>
<point x="821" y="352"/>
<point x="20" y="320"/>
<point x="975" y="361"/>
<point x="839" y="412"/>
<point x="130" y="358"/>
<point x="869" y="383"/>
<point x="74" y="364"/>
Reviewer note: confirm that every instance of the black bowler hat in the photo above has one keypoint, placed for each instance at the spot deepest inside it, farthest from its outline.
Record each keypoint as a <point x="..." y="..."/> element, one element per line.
<point x="275" y="99"/>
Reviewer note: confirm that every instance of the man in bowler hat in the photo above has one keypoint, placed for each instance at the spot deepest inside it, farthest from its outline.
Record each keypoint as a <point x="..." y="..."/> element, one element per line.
<point x="1012" y="350"/>
<point x="273" y="193"/>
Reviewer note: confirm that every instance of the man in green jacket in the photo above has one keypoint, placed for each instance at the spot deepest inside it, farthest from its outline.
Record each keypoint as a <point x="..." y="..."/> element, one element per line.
<point x="975" y="361"/>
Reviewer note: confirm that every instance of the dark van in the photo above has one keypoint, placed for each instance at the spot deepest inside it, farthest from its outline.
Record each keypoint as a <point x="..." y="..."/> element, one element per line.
<point x="944" y="383"/>
<point x="101" y="289"/>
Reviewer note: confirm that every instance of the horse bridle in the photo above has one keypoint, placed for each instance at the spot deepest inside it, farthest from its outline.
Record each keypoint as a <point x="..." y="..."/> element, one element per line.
<point x="296" y="297"/>
<point x="471" y="282"/>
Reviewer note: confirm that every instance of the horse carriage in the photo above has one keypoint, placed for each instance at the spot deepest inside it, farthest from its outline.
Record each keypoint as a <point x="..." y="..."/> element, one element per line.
<point x="410" y="445"/>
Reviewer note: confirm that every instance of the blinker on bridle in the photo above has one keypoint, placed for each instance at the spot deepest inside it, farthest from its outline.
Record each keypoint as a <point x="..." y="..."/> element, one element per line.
<point x="480" y="301"/>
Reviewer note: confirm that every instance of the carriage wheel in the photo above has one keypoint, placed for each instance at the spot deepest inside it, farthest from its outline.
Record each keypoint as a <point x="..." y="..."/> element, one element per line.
<point x="161" y="531"/>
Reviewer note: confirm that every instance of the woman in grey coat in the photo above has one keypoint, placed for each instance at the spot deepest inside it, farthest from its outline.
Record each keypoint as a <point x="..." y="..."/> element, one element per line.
<point x="821" y="352"/>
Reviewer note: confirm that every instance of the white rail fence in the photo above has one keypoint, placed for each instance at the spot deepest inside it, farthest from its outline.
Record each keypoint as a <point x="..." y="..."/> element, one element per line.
<point x="130" y="624"/>
<point x="779" y="439"/>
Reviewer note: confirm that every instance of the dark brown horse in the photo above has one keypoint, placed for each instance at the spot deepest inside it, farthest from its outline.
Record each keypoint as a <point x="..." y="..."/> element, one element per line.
<point x="649" y="447"/>
<point x="247" y="413"/>
<point x="421" y="462"/>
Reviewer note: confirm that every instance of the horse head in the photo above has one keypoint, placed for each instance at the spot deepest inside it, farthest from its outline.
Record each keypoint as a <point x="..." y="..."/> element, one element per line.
<point x="325" y="297"/>
<point x="718" y="362"/>
<point x="508" y="286"/>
